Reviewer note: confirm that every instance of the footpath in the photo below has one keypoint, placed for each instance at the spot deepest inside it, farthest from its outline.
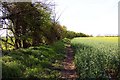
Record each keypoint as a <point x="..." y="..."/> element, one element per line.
<point x="69" y="71"/>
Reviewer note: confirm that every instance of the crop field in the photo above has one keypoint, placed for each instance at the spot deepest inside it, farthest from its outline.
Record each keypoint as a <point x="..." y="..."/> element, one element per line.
<point x="97" y="57"/>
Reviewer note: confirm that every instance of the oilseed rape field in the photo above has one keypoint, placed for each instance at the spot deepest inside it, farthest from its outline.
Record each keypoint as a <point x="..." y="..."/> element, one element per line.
<point x="97" y="57"/>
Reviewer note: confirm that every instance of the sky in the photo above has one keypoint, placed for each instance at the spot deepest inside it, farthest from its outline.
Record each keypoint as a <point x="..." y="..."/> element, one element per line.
<point x="93" y="17"/>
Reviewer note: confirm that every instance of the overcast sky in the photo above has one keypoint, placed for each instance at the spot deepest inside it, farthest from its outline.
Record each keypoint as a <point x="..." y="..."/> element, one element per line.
<point x="96" y="17"/>
<point x="93" y="17"/>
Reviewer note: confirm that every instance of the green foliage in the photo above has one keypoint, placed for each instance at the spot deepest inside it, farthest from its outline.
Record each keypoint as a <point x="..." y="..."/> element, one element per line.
<point x="11" y="67"/>
<point x="97" y="57"/>
<point x="59" y="47"/>
<point x="34" y="62"/>
<point x="72" y="34"/>
<point x="28" y="19"/>
<point x="4" y="44"/>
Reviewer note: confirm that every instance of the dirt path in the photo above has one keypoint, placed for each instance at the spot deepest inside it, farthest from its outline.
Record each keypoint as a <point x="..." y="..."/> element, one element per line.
<point x="69" y="71"/>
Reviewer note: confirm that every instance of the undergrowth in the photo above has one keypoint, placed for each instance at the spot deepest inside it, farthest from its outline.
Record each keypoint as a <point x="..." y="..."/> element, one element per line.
<point x="34" y="62"/>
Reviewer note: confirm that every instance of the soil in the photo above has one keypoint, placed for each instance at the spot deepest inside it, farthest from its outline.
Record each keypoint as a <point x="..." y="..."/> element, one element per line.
<point x="69" y="71"/>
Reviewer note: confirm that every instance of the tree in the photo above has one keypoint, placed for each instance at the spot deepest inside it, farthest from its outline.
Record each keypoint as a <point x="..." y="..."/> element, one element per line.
<point x="27" y="20"/>
<point x="32" y="24"/>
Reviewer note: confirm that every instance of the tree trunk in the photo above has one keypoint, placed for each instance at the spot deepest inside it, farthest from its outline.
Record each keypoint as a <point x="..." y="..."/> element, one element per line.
<point x="16" y="44"/>
<point x="25" y="45"/>
<point x="20" y="45"/>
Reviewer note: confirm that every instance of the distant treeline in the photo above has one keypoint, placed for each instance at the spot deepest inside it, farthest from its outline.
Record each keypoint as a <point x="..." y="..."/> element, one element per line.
<point x="109" y="36"/>
<point x="72" y="34"/>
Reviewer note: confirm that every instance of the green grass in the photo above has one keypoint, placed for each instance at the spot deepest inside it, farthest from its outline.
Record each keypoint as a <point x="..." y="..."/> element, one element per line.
<point x="97" y="57"/>
<point x="34" y="62"/>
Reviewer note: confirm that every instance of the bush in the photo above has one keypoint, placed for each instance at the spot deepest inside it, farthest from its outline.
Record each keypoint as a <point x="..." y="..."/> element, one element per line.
<point x="11" y="69"/>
